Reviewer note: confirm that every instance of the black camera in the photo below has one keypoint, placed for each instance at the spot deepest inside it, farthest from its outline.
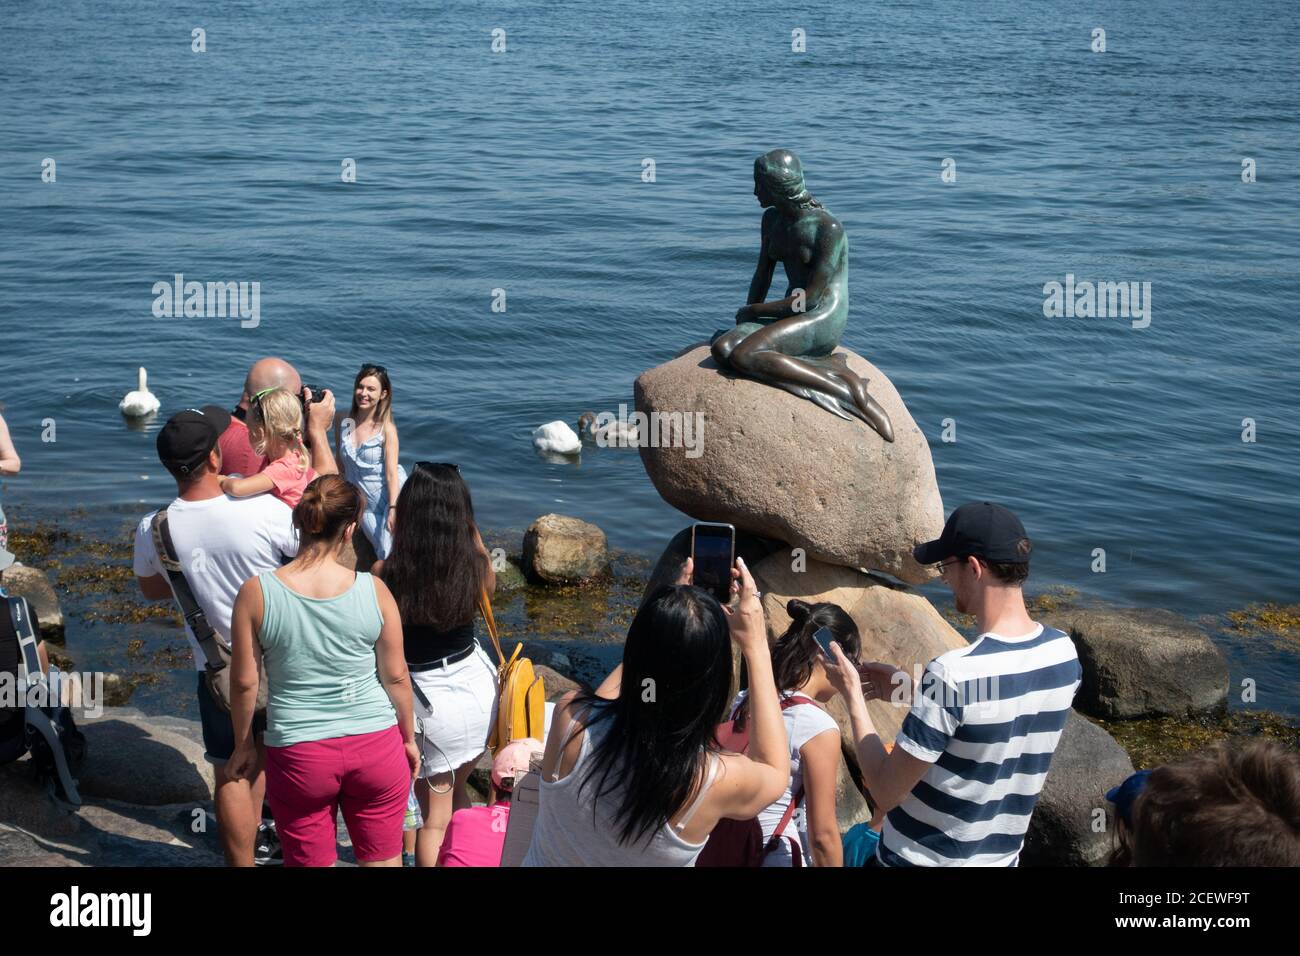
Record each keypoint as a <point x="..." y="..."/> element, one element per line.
<point x="317" y="393"/>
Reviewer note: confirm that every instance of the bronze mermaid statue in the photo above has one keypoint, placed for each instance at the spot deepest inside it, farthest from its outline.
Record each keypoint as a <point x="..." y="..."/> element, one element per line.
<point x="789" y="342"/>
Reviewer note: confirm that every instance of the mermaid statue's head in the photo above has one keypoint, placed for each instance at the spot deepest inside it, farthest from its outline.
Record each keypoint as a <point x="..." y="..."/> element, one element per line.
<point x="778" y="181"/>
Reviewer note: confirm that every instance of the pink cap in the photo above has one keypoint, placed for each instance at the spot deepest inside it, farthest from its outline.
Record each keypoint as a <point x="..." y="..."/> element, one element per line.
<point x="512" y="760"/>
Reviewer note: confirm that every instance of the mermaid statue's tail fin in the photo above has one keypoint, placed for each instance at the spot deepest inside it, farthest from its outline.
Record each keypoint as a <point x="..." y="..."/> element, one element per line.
<point x="873" y="415"/>
<point x="828" y="402"/>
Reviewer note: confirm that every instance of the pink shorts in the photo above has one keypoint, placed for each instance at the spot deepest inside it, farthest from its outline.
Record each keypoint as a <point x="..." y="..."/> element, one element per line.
<point x="367" y="775"/>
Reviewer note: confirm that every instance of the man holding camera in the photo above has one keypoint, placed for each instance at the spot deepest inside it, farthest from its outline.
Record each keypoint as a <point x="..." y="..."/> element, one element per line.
<point x="960" y="784"/>
<point x="237" y="454"/>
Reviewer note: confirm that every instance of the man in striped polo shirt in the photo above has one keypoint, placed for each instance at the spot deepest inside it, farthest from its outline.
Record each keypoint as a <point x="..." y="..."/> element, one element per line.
<point x="970" y="760"/>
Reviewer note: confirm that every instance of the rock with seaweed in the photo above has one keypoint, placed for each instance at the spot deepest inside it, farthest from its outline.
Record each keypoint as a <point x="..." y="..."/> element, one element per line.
<point x="560" y="549"/>
<point x="1143" y="662"/>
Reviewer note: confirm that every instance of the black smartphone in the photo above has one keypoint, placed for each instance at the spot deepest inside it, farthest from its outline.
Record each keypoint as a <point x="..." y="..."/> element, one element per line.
<point x="713" y="548"/>
<point x="823" y="636"/>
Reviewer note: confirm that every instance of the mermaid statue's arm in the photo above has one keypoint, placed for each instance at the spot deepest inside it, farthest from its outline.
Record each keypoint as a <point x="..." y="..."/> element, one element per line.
<point x="763" y="272"/>
<point x="824" y="269"/>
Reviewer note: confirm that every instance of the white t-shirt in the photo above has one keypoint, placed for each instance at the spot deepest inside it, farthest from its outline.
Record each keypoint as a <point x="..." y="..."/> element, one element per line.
<point x="221" y="542"/>
<point x="803" y="722"/>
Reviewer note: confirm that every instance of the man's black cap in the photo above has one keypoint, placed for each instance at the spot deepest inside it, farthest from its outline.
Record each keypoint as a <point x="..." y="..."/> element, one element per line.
<point x="187" y="439"/>
<point x="982" y="529"/>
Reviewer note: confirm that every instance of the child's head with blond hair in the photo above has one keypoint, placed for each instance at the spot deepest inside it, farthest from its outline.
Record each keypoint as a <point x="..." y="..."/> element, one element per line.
<point x="275" y="426"/>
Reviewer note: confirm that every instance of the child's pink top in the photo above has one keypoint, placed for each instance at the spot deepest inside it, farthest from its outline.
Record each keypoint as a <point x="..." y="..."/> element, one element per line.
<point x="289" y="478"/>
<point x="475" y="836"/>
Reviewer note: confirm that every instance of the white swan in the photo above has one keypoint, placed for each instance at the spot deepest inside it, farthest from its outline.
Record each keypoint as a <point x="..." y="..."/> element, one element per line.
<point x="556" y="437"/>
<point x="615" y="434"/>
<point x="140" y="402"/>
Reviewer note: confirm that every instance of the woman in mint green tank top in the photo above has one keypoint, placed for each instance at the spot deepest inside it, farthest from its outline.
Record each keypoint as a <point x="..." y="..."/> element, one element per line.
<point x="340" y="731"/>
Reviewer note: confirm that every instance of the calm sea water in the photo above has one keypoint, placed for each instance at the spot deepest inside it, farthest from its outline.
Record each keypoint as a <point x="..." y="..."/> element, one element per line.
<point x="522" y="171"/>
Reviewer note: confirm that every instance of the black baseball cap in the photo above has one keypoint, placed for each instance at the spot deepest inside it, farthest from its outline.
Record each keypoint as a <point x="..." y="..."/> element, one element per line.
<point x="187" y="439"/>
<point x="979" y="528"/>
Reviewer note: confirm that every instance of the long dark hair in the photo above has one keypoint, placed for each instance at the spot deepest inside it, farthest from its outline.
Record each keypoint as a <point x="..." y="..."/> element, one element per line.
<point x="435" y="569"/>
<point x="675" y="690"/>
<point x="796" y="650"/>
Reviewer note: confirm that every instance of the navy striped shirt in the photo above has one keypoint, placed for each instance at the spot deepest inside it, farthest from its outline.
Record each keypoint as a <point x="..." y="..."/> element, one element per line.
<point x="987" y="717"/>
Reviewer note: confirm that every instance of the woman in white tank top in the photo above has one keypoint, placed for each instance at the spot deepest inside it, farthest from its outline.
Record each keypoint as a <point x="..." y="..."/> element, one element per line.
<point x="632" y="774"/>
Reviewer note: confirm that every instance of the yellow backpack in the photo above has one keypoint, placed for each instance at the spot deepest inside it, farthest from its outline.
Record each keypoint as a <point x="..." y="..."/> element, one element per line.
<point x="521" y="711"/>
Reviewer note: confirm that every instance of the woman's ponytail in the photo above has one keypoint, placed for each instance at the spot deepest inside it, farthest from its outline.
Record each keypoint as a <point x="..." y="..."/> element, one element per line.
<point x="328" y="505"/>
<point x="799" y="611"/>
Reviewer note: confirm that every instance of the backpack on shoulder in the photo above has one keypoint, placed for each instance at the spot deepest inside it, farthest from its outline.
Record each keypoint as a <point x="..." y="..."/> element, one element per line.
<point x="46" y="731"/>
<point x="216" y="652"/>
<point x="521" y="711"/>
<point x="739" y="843"/>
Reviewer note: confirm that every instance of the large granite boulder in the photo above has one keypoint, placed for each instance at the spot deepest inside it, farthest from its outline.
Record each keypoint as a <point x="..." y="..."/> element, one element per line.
<point x="1072" y="821"/>
<point x="896" y="624"/>
<point x="140" y="760"/>
<point x="1144" y="662"/>
<point x="559" y="549"/>
<point x="32" y="583"/>
<point x="780" y="467"/>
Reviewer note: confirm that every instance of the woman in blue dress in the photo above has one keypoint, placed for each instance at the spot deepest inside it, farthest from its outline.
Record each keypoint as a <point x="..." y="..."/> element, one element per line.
<point x="367" y="449"/>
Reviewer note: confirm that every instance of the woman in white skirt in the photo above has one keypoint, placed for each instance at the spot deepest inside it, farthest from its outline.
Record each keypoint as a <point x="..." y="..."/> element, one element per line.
<point x="436" y="570"/>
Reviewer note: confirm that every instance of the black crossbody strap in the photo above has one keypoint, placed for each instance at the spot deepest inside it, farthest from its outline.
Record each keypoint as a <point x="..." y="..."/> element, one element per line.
<point x="204" y="633"/>
<point x="30" y="662"/>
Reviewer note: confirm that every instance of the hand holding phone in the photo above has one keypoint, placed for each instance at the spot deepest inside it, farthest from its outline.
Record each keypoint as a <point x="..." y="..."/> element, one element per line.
<point x="746" y="621"/>
<point x="823" y="636"/>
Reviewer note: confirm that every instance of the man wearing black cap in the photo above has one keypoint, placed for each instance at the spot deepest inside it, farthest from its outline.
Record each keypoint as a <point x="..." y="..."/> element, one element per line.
<point x="220" y="543"/>
<point x="970" y="760"/>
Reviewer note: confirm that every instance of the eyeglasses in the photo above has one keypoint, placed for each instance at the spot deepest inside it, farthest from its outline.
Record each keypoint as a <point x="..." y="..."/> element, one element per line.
<point x="437" y="464"/>
<point x="943" y="566"/>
